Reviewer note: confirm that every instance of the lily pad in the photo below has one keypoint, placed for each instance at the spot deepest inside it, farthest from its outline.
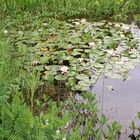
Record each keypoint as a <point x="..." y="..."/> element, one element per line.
<point x="61" y="77"/>
<point x="82" y="77"/>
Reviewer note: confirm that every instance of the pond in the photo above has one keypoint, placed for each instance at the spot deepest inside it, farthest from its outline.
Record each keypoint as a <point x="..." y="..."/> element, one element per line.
<point x="78" y="53"/>
<point x="120" y="102"/>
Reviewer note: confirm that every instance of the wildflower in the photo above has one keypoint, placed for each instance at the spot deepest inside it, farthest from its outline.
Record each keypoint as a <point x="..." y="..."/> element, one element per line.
<point x="46" y="122"/>
<point x="64" y="69"/>
<point x="57" y="131"/>
<point x="45" y="24"/>
<point x="67" y="125"/>
<point x="5" y="31"/>
<point x="64" y="138"/>
<point x="35" y="63"/>
<point x="97" y="2"/>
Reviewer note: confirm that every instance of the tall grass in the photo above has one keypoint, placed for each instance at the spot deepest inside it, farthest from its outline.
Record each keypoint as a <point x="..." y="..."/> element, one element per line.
<point x="8" y="69"/>
<point x="90" y="8"/>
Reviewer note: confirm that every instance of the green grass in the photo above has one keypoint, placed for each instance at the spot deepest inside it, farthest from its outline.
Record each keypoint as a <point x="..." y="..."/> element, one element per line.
<point x="73" y="8"/>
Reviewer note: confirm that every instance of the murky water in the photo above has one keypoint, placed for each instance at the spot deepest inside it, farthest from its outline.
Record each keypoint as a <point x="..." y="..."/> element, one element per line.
<point x="122" y="102"/>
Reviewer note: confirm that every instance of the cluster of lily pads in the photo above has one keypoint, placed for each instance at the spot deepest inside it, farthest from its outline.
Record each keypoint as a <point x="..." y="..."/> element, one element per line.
<point x="76" y="52"/>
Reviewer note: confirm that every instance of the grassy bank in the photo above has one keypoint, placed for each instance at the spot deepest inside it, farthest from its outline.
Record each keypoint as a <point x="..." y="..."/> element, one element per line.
<point x="117" y="9"/>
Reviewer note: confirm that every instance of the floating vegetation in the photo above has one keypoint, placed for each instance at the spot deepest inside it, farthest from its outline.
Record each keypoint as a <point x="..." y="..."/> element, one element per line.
<point x="76" y="52"/>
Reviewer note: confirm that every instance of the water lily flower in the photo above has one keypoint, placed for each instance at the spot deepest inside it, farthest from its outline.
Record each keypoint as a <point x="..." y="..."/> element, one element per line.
<point x="119" y="62"/>
<point x="122" y="36"/>
<point x="64" y="69"/>
<point x="80" y="59"/>
<point x="110" y="23"/>
<point x="125" y="27"/>
<point x="83" y="21"/>
<point x="91" y="44"/>
<point x="117" y="25"/>
<point x="69" y="49"/>
<point x="110" y="51"/>
<point x="76" y="23"/>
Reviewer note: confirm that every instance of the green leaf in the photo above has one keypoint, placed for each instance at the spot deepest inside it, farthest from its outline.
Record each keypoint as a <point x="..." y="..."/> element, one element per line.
<point x="103" y="120"/>
<point x="139" y="115"/>
<point x="61" y="77"/>
<point x="82" y="77"/>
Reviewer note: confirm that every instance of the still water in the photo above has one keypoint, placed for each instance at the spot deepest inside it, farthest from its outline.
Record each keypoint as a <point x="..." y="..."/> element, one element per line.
<point x="120" y="100"/>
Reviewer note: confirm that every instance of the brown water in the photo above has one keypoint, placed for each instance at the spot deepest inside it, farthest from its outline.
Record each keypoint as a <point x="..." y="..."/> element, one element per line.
<point x="122" y="102"/>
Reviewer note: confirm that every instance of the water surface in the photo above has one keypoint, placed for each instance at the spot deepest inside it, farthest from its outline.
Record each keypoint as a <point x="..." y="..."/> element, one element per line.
<point x="122" y="101"/>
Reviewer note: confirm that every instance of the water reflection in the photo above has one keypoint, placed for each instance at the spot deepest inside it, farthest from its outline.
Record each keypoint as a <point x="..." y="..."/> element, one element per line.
<point x="121" y="102"/>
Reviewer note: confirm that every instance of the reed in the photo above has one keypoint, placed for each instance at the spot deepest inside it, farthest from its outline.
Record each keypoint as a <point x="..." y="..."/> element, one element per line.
<point x="68" y="8"/>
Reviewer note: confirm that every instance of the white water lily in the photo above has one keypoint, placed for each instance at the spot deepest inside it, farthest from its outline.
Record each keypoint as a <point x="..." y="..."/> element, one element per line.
<point x="91" y="44"/>
<point x="122" y="36"/>
<point x="110" y="23"/>
<point x="124" y="59"/>
<point x="64" y="69"/>
<point x="5" y="31"/>
<point x="76" y="23"/>
<point x="117" y="25"/>
<point x="83" y="21"/>
<point x="125" y="27"/>
<point x="80" y="59"/>
<point x="110" y="51"/>
<point x="119" y="62"/>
